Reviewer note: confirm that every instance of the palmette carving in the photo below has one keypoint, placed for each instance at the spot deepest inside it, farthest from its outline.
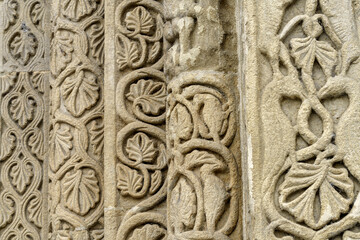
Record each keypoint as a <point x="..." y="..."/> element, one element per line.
<point x="76" y="139"/>
<point x="140" y="104"/>
<point x="23" y="126"/>
<point x="310" y="172"/>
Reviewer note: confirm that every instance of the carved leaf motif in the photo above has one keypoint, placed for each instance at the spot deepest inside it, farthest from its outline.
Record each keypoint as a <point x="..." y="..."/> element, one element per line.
<point x="38" y="80"/>
<point x="148" y="95"/>
<point x="154" y="52"/>
<point x="10" y="13"/>
<point x="80" y="92"/>
<point x="183" y="205"/>
<point x="141" y="148"/>
<point x="127" y="53"/>
<point x="21" y="174"/>
<point x="128" y="180"/>
<point x="22" y="109"/>
<point x="62" y="48"/>
<point x="180" y="122"/>
<point x="306" y="50"/>
<point x="81" y="190"/>
<point x="23" y="46"/>
<point x="333" y="186"/>
<point x="36" y="143"/>
<point x="156" y="180"/>
<point x="7" y="81"/>
<point x="76" y="9"/>
<point x="6" y="210"/>
<point x="61" y="147"/>
<point x="6" y="146"/>
<point x="97" y="137"/>
<point x="139" y="20"/>
<point x="198" y="158"/>
<point x="96" y="35"/>
<point x="148" y="232"/>
<point x="37" y="14"/>
<point x="35" y="211"/>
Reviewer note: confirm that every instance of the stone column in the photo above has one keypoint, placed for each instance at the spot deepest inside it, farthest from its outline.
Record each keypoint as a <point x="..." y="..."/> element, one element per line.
<point x="204" y="184"/>
<point x="77" y="110"/>
<point x="136" y="167"/>
<point x="24" y="78"/>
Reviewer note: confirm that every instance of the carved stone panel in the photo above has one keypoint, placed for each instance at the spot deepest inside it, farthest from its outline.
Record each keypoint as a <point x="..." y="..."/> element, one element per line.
<point x="77" y="110"/>
<point x="302" y="88"/>
<point x="135" y="141"/>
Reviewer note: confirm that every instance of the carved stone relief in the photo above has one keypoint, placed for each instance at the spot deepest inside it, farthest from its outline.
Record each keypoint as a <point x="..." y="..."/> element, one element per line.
<point x="137" y="105"/>
<point x="306" y="141"/>
<point x="204" y="166"/>
<point x="77" y="128"/>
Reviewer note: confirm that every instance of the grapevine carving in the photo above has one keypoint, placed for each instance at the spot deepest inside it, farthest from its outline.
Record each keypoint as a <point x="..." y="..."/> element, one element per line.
<point x="140" y="103"/>
<point x="310" y="190"/>
<point x="77" y="135"/>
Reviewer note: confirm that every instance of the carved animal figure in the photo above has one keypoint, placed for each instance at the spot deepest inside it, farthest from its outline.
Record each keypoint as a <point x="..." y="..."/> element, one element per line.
<point x="279" y="134"/>
<point x="271" y="15"/>
<point x="348" y="130"/>
<point x="342" y="18"/>
<point x="215" y="195"/>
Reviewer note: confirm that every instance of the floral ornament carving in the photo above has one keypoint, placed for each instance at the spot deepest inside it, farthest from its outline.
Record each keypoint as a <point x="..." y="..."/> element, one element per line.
<point x="23" y="46"/>
<point x="80" y="91"/>
<point x="22" y="108"/>
<point x="81" y="191"/>
<point x="140" y="103"/>
<point x="11" y="14"/>
<point x="77" y="134"/>
<point x="77" y="9"/>
<point x="62" y="49"/>
<point x="22" y="152"/>
<point x="148" y="96"/>
<point x="140" y="35"/>
<point x="312" y="176"/>
<point x="61" y="146"/>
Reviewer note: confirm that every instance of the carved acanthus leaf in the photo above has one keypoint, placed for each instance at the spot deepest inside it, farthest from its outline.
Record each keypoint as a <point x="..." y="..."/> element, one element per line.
<point x="38" y="80"/>
<point x="36" y="143"/>
<point x="128" y="180"/>
<point x="38" y="14"/>
<point x="6" y="210"/>
<point x="76" y="9"/>
<point x="23" y="46"/>
<point x="139" y="20"/>
<point x="333" y="185"/>
<point x="22" y="109"/>
<point x="127" y="53"/>
<point x="60" y="146"/>
<point x="148" y="95"/>
<point x="61" y="51"/>
<point x="6" y="146"/>
<point x="81" y="190"/>
<point x="7" y="81"/>
<point x="35" y="211"/>
<point x="10" y="13"/>
<point x="156" y="180"/>
<point x="141" y="148"/>
<point x="80" y="91"/>
<point x="96" y="35"/>
<point x="21" y="174"/>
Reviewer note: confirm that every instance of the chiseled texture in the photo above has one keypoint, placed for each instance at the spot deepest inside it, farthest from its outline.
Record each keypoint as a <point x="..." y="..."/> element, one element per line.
<point x="302" y="115"/>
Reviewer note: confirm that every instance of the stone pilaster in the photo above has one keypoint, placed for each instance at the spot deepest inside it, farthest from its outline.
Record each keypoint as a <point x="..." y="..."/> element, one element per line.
<point x="204" y="178"/>
<point x="77" y="110"/>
